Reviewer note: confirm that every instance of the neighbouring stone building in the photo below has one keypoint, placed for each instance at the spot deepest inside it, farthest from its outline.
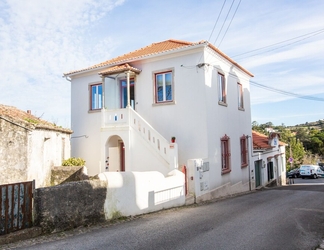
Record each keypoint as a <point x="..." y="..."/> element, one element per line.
<point x="30" y="146"/>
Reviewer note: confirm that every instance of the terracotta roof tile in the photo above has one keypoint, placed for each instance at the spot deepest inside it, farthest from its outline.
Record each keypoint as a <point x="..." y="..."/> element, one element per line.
<point x="260" y="141"/>
<point x="27" y="120"/>
<point x="151" y="50"/>
<point x="119" y="69"/>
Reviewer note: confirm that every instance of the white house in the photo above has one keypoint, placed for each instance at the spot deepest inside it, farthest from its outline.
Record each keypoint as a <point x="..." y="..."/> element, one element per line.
<point x="30" y="147"/>
<point x="125" y="111"/>
<point x="268" y="160"/>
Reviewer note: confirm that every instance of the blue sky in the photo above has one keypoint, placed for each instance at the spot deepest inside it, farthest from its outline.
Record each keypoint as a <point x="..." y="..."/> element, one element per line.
<point x="41" y="39"/>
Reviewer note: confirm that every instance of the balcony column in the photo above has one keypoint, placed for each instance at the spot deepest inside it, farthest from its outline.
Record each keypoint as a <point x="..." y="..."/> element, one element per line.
<point x="128" y="88"/>
<point x="103" y="91"/>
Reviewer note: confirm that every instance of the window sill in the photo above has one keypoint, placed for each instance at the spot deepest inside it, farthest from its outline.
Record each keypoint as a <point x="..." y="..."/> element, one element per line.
<point x="222" y="103"/>
<point x="94" y="110"/>
<point x="226" y="171"/>
<point x="242" y="109"/>
<point x="163" y="103"/>
<point x="244" y="165"/>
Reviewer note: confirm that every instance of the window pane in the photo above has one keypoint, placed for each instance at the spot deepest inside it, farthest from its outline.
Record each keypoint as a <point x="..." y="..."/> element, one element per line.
<point x="93" y="97"/>
<point x="99" y="96"/>
<point x="96" y="96"/>
<point x="168" y="86"/>
<point x="159" y="87"/>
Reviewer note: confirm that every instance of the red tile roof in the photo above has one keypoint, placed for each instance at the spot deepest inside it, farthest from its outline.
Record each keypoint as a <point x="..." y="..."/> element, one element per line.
<point x="153" y="50"/>
<point x="27" y="120"/>
<point x="261" y="141"/>
<point x="118" y="69"/>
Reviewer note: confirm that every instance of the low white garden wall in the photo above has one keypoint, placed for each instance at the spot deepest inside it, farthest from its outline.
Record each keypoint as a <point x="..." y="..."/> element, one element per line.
<point x="133" y="193"/>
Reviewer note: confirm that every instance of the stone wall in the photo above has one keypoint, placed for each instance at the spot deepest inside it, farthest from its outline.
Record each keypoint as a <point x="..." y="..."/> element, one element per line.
<point x="64" y="174"/>
<point x="13" y="152"/>
<point x="69" y="205"/>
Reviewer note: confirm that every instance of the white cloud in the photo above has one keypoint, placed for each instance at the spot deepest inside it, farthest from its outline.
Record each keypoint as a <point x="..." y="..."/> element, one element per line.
<point x="39" y="41"/>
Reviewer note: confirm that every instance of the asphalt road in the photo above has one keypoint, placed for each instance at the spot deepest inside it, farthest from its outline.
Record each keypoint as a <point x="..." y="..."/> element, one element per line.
<point x="289" y="217"/>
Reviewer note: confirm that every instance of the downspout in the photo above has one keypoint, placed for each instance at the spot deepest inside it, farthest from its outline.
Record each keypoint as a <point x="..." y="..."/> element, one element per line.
<point x="249" y="168"/>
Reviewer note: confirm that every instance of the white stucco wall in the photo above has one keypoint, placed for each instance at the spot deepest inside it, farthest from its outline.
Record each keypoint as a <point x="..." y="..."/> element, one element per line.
<point x="46" y="149"/>
<point x="133" y="193"/>
<point x="85" y="140"/>
<point x="277" y="156"/>
<point x="196" y="118"/>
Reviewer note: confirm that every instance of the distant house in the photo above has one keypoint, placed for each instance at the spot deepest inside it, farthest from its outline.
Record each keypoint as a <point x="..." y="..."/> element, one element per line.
<point x="29" y="147"/>
<point x="126" y="110"/>
<point x="268" y="159"/>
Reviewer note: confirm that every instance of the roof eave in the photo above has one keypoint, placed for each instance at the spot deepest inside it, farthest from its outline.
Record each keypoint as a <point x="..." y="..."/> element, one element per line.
<point x="188" y="47"/>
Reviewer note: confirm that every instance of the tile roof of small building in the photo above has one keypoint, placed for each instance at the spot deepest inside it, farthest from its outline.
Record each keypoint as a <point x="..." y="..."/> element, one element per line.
<point x="261" y="141"/>
<point x="153" y="50"/>
<point x="118" y="69"/>
<point x="27" y="120"/>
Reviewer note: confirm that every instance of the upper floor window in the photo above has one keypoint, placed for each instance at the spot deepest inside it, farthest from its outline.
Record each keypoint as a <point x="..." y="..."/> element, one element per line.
<point x="221" y="88"/>
<point x="240" y="96"/>
<point x="164" y="87"/>
<point x="96" y="96"/>
<point x="244" y="151"/>
<point x="226" y="154"/>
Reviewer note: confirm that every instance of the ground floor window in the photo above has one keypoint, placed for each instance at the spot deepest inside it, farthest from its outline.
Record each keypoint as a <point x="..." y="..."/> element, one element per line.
<point x="226" y="154"/>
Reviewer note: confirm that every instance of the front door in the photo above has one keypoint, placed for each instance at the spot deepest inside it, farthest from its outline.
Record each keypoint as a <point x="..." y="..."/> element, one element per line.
<point x="257" y="169"/>
<point x="123" y="84"/>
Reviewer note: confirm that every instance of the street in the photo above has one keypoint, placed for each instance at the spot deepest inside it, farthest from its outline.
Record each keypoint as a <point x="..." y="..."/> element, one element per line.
<point x="288" y="217"/>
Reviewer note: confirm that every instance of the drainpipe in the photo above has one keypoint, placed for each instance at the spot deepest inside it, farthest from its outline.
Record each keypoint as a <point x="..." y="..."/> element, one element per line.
<point x="128" y="89"/>
<point x="249" y="167"/>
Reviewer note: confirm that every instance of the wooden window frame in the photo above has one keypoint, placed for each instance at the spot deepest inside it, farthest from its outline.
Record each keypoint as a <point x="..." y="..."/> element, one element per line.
<point x="164" y="72"/>
<point x="244" y="151"/>
<point x="221" y="89"/>
<point x="225" y="155"/>
<point x="100" y="102"/>
<point x="240" y="96"/>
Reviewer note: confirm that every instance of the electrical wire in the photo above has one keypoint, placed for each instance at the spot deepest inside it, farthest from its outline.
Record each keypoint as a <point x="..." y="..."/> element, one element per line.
<point x="214" y="26"/>
<point x="224" y="22"/>
<point x="308" y="35"/>
<point x="229" y="24"/>
<point x="312" y="98"/>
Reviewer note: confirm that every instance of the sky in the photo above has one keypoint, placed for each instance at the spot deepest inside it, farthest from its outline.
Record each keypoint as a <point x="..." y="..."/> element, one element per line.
<point x="280" y="41"/>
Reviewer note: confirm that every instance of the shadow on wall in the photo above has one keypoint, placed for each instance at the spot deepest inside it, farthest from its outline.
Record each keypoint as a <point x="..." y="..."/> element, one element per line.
<point x="133" y="193"/>
<point x="69" y="205"/>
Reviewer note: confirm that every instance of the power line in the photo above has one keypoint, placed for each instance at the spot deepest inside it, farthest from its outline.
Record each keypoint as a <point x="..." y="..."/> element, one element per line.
<point x="216" y="21"/>
<point x="224" y="22"/>
<point x="305" y="36"/>
<point x="214" y="26"/>
<point x="312" y="98"/>
<point x="229" y="24"/>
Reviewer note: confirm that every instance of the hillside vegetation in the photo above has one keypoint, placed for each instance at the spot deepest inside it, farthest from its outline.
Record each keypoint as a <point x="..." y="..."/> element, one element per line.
<point x="305" y="142"/>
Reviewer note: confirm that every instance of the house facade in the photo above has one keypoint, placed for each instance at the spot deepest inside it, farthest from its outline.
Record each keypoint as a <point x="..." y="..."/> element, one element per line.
<point x="125" y="111"/>
<point x="268" y="160"/>
<point x="30" y="147"/>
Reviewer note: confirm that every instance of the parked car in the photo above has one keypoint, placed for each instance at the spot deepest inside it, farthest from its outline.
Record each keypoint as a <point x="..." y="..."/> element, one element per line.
<point x="312" y="171"/>
<point x="294" y="173"/>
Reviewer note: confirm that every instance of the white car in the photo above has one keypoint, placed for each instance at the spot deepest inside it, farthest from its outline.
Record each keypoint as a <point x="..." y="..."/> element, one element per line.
<point x="312" y="171"/>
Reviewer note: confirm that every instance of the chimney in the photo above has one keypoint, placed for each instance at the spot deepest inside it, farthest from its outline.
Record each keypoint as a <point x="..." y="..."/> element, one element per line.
<point x="29" y="111"/>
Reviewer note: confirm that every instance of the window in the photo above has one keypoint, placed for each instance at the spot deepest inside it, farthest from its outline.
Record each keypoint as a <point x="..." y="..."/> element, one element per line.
<point x="244" y="151"/>
<point x="240" y="96"/>
<point x="221" y="88"/>
<point x="96" y="96"/>
<point x="163" y="87"/>
<point x="226" y="155"/>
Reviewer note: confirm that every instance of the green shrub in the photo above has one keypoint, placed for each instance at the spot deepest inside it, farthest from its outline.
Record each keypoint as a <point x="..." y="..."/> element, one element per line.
<point x="73" y="162"/>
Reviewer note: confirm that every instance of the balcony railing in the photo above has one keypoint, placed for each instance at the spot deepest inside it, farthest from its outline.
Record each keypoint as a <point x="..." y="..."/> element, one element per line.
<point x="128" y="117"/>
